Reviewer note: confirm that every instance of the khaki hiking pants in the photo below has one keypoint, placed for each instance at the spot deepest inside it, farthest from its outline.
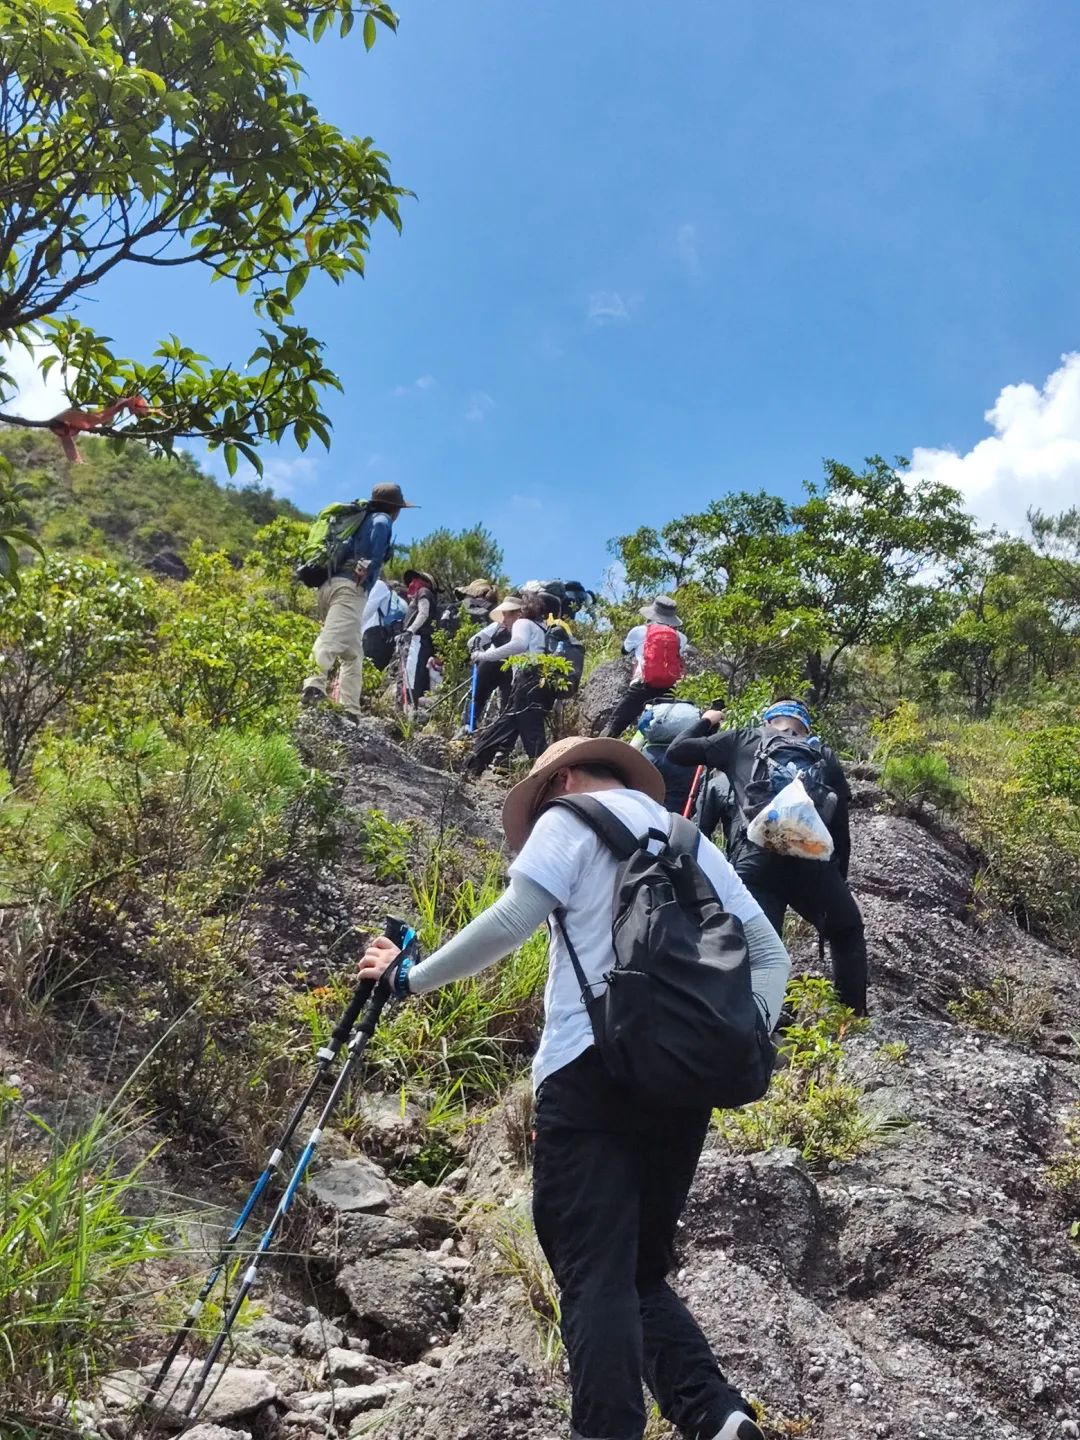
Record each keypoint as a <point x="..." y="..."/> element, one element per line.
<point x="341" y="610"/>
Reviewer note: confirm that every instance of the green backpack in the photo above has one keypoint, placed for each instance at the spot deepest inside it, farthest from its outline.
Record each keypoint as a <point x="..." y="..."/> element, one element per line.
<point x="321" y="551"/>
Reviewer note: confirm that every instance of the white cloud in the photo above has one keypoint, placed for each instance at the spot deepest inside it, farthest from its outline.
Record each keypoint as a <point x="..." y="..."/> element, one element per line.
<point x="1031" y="460"/>
<point x="480" y="406"/>
<point x="686" y="245"/>
<point x="285" y="476"/>
<point x="606" y="306"/>
<point x="418" y="386"/>
<point x="33" y="397"/>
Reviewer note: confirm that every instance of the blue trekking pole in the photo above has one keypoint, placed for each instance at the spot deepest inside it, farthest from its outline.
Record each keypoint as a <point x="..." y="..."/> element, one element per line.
<point x="472" y="698"/>
<point x="400" y="933"/>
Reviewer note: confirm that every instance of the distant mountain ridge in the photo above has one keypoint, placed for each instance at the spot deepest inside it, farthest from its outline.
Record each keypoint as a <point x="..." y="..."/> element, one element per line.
<point x="131" y="505"/>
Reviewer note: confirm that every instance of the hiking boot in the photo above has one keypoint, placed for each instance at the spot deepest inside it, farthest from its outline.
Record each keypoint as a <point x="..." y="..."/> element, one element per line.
<point x="312" y="695"/>
<point x="739" y="1426"/>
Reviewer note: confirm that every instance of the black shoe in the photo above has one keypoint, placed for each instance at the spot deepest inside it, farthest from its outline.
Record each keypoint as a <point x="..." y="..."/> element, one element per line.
<point x="312" y="695"/>
<point x="739" y="1426"/>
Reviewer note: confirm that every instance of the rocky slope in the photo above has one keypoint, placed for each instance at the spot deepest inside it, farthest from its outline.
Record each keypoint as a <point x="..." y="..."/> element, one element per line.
<point x="926" y="1289"/>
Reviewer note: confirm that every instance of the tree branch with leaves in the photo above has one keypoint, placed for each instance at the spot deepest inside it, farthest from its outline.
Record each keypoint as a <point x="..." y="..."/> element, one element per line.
<point x="170" y="138"/>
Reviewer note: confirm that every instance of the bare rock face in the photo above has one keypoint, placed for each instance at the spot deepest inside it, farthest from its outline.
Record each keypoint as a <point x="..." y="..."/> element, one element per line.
<point x="494" y="1395"/>
<point x="404" y="1300"/>
<point x="602" y="692"/>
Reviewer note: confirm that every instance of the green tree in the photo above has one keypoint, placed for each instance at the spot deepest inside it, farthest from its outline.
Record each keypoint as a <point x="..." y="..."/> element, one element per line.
<point x="72" y="628"/>
<point x="452" y="557"/>
<point x="785" y="590"/>
<point x="13" y="532"/>
<point x="180" y="136"/>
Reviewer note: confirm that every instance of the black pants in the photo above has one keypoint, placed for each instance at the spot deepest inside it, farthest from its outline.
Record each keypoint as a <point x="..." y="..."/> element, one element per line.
<point x="489" y="678"/>
<point x="610" y="1181"/>
<point x="820" y="894"/>
<point x="523" y="719"/>
<point x="628" y="711"/>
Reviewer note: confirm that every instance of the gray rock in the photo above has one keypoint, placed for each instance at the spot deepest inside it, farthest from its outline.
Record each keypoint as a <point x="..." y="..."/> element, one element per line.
<point x="602" y="692"/>
<point x="404" y="1297"/>
<point x="277" y="1337"/>
<point x="317" y="1337"/>
<point x="357" y="1184"/>
<point x="354" y="1236"/>
<point x="351" y="1366"/>
<point x="346" y="1401"/>
<point x="231" y="1391"/>
<point x="212" y="1432"/>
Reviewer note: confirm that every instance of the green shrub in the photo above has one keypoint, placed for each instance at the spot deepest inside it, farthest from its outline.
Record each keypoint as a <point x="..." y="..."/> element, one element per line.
<point x="1063" y="1171"/>
<point x="811" y="1105"/>
<point x="919" y="779"/>
<point x="1009" y="1006"/>
<point x="1049" y="767"/>
<point x="72" y="1258"/>
<point x="72" y="629"/>
<point x="384" y="845"/>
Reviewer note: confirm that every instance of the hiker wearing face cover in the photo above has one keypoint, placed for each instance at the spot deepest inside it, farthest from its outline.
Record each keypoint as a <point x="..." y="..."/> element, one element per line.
<point x="613" y="1165"/>
<point x="657" y="647"/>
<point x="415" y="643"/>
<point x="816" y="890"/>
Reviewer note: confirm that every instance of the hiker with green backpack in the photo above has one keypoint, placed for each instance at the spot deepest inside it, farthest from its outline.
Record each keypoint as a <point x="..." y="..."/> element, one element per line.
<point x="346" y="548"/>
<point x="649" y="1023"/>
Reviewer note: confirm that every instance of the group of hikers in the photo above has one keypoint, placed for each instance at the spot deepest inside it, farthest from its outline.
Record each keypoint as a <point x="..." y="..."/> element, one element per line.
<point x="666" y="962"/>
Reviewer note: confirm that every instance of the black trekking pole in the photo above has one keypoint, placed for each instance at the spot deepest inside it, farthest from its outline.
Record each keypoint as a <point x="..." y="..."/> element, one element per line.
<point x="404" y="936"/>
<point x="326" y="1057"/>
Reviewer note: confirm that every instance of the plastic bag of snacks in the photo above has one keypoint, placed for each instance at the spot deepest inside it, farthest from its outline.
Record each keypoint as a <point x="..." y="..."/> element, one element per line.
<point x="791" y="825"/>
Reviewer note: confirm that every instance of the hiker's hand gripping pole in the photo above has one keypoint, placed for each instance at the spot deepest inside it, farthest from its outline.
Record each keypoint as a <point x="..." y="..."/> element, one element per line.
<point x="402" y="935"/>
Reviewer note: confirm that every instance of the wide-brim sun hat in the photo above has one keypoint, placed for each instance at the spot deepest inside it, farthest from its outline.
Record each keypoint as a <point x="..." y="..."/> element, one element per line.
<point x="475" y="590"/>
<point x="508" y="605"/>
<point x="635" y="770"/>
<point x="663" y="610"/>
<point x="411" y="575"/>
<point x="390" y="494"/>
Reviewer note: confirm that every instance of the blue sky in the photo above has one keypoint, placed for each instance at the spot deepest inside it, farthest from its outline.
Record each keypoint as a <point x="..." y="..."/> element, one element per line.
<point x="661" y="252"/>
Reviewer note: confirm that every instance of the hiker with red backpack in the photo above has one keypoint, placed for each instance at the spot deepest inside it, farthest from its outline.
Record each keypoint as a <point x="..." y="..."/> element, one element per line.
<point x="657" y="647"/>
<point x="759" y="761"/>
<point x="649" y="1023"/>
<point x="346" y="548"/>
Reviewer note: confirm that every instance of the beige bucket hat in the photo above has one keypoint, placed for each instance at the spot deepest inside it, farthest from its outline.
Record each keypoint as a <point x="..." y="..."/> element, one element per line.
<point x="638" y="772"/>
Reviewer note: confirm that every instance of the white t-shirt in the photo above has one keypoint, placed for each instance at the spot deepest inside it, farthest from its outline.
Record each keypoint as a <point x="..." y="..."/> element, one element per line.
<point x="381" y="603"/>
<point x="634" y="645"/>
<point x="572" y="863"/>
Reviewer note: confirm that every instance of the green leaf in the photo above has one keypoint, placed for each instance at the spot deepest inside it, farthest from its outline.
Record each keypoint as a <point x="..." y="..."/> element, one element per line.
<point x="230" y="458"/>
<point x="369" y="31"/>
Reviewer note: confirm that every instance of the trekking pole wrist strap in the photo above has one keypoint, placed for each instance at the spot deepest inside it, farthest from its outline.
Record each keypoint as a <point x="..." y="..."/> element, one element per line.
<point x="401" y="977"/>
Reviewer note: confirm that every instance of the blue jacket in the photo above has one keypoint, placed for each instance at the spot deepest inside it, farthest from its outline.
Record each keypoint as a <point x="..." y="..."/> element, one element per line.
<point x="372" y="542"/>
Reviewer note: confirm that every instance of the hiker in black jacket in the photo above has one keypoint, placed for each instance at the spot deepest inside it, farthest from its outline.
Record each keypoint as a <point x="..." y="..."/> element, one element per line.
<point x="816" y="890"/>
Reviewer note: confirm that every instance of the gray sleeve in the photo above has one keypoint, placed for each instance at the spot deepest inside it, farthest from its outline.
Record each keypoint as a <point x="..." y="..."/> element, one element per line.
<point x="518" y="644"/>
<point x="520" y="910"/>
<point x="770" y="966"/>
<point x="423" y="613"/>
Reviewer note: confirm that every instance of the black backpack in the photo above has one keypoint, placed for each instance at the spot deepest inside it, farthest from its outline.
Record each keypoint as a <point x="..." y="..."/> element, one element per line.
<point x="559" y="641"/>
<point x="781" y="759"/>
<point x="676" y="1022"/>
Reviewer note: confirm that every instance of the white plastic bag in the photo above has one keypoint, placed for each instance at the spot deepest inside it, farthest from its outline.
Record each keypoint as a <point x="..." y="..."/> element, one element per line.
<point x="790" y="825"/>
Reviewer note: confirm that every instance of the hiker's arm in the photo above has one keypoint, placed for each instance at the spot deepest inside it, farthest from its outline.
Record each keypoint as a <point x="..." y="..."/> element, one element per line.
<point x="516" y="645"/>
<point x="422" y="616"/>
<point x="770" y="966"/>
<point x="697" y="745"/>
<point x="840" y="830"/>
<point x="379" y="540"/>
<point x="520" y="910"/>
<point x="839" y="826"/>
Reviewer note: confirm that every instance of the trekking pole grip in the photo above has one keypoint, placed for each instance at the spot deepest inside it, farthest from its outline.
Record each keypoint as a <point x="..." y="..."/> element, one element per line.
<point x="394" y="930"/>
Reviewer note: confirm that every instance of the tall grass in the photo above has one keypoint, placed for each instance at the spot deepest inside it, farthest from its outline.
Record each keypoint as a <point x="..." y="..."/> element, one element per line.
<point x="71" y="1253"/>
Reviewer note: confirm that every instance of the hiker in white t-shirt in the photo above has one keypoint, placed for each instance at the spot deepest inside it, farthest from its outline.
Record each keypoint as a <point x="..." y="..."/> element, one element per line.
<point x="611" y="1173"/>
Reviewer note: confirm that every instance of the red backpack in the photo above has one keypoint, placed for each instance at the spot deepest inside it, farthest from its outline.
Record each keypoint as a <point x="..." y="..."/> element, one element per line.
<point x="661" y="662"/>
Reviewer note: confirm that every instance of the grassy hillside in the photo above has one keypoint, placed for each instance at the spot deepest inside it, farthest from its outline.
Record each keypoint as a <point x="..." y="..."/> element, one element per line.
<point x="129" y="506"/>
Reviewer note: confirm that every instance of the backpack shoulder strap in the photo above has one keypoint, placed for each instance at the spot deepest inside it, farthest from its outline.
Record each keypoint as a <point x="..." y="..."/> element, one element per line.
<point x="614" y="834"/>
<point x="685" y="837"/>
